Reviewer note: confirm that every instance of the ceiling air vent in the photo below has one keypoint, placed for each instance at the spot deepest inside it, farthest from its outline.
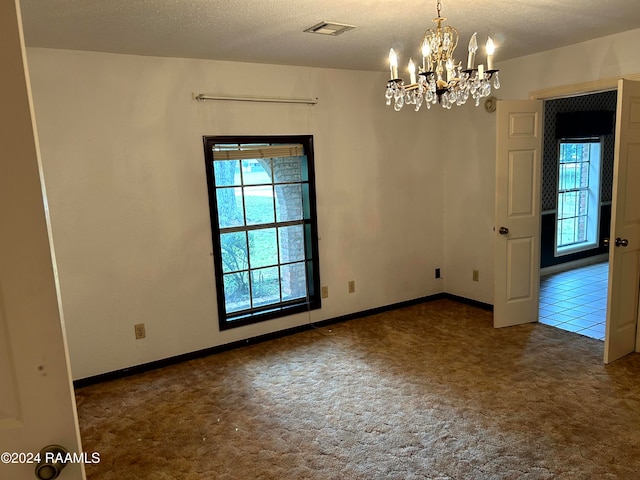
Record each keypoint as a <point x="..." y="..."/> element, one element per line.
<point x="329" y="28"/>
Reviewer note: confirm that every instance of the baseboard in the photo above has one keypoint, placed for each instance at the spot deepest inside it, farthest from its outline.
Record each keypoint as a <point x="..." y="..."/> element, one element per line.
<point x="468" y="301"/>
<point x="562" y="267"/>
<point x="165" y="362"/>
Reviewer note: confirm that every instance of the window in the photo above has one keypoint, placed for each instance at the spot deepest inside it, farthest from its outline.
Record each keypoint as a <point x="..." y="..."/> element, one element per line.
<point x="578" y="195"/>
<point x="264" y="228"/>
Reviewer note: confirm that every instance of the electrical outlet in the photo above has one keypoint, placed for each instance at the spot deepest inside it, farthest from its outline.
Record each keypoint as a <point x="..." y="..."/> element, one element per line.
<point x="140" y="331"/>
<point x="352" y="286"/>
<point x="324" y="292"/>
<point x="476" y="275"/>
<point x="437" y="273"/>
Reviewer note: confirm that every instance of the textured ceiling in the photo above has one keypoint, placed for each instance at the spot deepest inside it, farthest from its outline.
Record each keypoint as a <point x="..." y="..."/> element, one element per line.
<point x="271" y="31"/>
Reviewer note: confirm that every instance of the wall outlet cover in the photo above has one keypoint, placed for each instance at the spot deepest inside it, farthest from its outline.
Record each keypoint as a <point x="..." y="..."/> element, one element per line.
<point x="140" y="331"/>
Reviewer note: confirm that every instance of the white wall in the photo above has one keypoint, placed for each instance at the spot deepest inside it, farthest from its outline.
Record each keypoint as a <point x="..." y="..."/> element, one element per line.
<point x="468" y="197"/>
<point x="121" y="142"/>
<point x="606" y="57"/>
<point x="470" y="157"/>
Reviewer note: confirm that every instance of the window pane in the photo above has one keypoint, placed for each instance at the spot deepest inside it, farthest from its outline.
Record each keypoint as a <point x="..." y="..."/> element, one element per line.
<point x="294" y="282"/>
<point x="236" y="291"/>
<point x="234" y="251"/>
<point x="263" y="247"/>
<point x="581" y="229"/>
<point x="259" y="205"/>
<point x="226" y="172"/>
<point x="566" y="231"/>
<point x="288" y="202"/>
<point x="230" y="213"/>
<point x="582" y="197"/>
<point x="567" y="204"/>
<point x="291" y="243"/>
<point x="265" y="283"/>
<point x="256" y="171"/>
<point x="560" y="210"/>
<point x="584" y="175"/>
<point x="288" y="169"/>
<point x="568" y="176"/>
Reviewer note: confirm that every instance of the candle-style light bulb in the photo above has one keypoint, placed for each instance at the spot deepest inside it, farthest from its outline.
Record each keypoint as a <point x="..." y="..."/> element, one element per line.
<point x="491" y="48"/>
<point x="412" y="70"/>
<point x="426" y="56"/>
<point x="473" y="46"/>
<point x="393" y="64"/>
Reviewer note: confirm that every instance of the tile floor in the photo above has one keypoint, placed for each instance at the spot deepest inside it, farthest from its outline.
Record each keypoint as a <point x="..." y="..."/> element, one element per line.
<point x="576" y="300"/>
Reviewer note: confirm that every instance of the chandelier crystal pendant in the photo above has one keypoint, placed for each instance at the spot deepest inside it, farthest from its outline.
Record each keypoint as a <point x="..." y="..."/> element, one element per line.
<point x="440" y="78"/>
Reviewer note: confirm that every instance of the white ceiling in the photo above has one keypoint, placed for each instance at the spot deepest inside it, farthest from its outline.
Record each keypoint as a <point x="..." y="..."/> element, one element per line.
<point x="271" y="31"/>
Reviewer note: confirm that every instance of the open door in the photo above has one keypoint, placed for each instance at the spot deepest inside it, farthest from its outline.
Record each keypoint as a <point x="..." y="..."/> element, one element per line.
<point x="517" y="241"/>
<point x="621" y="336"/>
<point x="37" y="406"/>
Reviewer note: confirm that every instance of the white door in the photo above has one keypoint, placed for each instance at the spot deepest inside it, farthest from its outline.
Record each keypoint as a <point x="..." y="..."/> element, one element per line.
<point x="37" y="406"/>
<point x="517" y="238"/>
<point x="624" y="251"/>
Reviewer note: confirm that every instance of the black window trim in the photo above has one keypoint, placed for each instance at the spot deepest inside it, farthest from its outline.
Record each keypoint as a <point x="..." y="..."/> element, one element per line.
<point x="267" y="312"/>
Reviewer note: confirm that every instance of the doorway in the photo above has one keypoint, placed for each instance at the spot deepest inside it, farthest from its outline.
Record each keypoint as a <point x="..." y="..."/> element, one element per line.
<point x="575" y="300"/>
<point x="574" y="279"/>
<point x="518" y="248"/>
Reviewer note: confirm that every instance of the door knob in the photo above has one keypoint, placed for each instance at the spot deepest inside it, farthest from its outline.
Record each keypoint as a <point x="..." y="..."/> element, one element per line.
<point x="503" y="231"/>
<point x="606" y="242"/>
<point x="621" y="242"/>
<point x="52" y="461"/>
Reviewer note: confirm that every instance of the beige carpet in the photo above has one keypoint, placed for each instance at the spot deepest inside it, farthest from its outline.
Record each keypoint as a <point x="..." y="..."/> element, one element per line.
<point x="430" y="391"/>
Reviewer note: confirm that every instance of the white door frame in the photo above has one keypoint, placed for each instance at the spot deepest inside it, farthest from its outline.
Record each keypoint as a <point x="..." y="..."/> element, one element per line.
<point x="587" y="88"/>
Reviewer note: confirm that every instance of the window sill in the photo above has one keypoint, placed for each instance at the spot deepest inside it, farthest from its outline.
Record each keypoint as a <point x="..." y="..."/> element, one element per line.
<point x="581" y="247"/>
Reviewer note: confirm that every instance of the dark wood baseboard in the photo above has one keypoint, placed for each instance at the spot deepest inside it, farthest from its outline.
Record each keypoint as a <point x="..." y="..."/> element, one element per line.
<point x="145" y="367"/>
<point x="468" y="301"/>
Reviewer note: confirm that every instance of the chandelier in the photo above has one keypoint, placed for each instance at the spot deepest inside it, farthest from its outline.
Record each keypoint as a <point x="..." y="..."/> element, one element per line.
<point x="440" y="79"/>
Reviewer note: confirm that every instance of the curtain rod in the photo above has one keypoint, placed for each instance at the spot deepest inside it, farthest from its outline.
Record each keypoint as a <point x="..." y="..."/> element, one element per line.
<point x="203" y="97"/>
